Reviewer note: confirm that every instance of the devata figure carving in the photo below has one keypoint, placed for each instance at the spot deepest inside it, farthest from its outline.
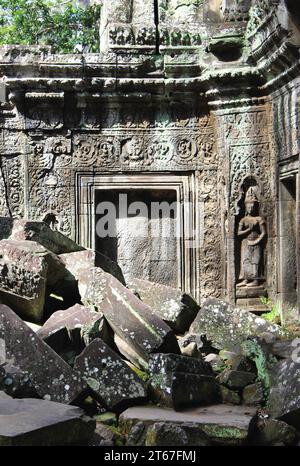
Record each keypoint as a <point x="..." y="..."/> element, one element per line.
<point x="252" y="230"/>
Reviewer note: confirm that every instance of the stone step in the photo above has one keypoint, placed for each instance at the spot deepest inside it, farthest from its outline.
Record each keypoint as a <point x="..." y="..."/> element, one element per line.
<point x="210" y="425"/>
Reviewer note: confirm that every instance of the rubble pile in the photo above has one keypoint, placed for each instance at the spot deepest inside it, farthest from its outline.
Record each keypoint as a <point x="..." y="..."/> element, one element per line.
<point x="86" y="358"/>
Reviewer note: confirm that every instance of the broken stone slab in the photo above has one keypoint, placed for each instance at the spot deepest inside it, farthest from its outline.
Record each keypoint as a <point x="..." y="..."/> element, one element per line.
<point x="4" y="396"/>
<point x="41" y="233"/>
<point x="48" y="374"/>
<point x="64" y="328"/>
<point x="131" y="319"/>
<point x="16" y="383"/>
<point x="284" y="399"/>
<point x="226" y="325"/>
<point x="129" y="353"/>
<point x="176" y="308"/>
<point x="26" y="270"/>
<point x="31" y="422"/>
<point x="179" y="381"/>
<point x="236" y="380"/>
<point x="23" y="278"/>
<point x="220" y="424"/>
<point x="76" y="261"/>
<point x="110" y="378"/>
<point x="178" y="390"/>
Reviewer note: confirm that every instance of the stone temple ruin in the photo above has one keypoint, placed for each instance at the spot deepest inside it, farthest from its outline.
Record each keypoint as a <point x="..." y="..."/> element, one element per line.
<point x="192" y="106"/>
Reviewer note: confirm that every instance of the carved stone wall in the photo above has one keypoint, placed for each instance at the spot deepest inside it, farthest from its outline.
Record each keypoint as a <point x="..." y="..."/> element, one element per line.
<point x="202" y="92"/>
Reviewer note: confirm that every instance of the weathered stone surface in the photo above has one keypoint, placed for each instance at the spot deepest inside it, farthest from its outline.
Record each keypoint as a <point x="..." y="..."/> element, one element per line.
<point x="110" y="378"/>
<point x="6" y="224"/>
<point x="47" y="373"/>
<point x="179" y="381"/>
<point x="4" y="396"/>
<point x="75" y="261"/>
<point x="164" y="363"/>
<point x="23" y="277"/>
<point x="284" y="401"/>
<point x="26" y="269"/>
<point x="218" y="424"/>
<point x="131" y="319"/>
<point x="253" y="395"/>
<point x="215" y="361"/>
<point x="195" y="345"/>
<point x="283" y="349"/>
<point x="273" y="432"/>
<point x="229" y="397"/>
<point x="128" y="351"/>
<point x="31" y="422"/>
<point x="226" y="325"/>
<point x="41" y="233"/>
<point x="177" y="309"/>
<point x="236" y="379"/>
<point x="163" y="434"/>
<point x="64" y="328"/>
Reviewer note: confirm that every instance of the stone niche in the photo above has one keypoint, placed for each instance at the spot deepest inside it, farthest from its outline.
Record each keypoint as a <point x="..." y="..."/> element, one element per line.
<point x="145" y="222"/>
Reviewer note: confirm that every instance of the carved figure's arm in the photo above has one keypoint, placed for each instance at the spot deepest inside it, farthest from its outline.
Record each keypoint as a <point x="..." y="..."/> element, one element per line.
<point x="263" y="233"/>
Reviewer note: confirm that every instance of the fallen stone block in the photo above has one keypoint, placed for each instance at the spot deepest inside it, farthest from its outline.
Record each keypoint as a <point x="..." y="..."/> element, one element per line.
<point x="110" y="378"/>
<point x="283" y="349"/>
<point x="253" y="395"/>
<point x="30" y="422"/>
<point x="176" y="308"/>
<point x="236" y="380"/>
<point x="41" y="233"/>
<point x="229" y="397"/>
<point x="129" y="353"/>
<point x="226" y="325"/>
<point x="284" y="399"/>
<point x="272" y="432"/>
<point x="131" y="319"/>
<point x="23" y="277"/>
<point x="179" y="381"/>
<point x="69" y="327"/>
<point x="164" y="363"/>
<point x="76" y="261"/>
<point x="217" y="424"/>
<point x="46" y="372"/>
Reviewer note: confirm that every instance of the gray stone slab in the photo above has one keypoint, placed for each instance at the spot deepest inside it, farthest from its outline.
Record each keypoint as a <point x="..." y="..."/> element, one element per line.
<point x="220" y="424"/>
<point x="227" y="325"/>
<point x="176" y="308"/>
<point x="36" y="362"/>
<point x="41" y="423"/>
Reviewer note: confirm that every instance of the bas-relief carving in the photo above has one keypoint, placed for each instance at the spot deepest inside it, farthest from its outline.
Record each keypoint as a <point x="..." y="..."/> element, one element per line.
<point x="246" y="154"/>
<point x="251" y="231"/>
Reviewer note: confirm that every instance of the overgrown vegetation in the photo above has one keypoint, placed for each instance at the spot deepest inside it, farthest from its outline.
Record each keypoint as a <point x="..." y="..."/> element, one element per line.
<point x="66" y="26"/>
<point x="274" y="314"/>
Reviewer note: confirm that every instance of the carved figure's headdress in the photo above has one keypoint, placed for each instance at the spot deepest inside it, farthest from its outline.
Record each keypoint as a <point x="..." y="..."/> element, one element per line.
<point x="251" y="195"/>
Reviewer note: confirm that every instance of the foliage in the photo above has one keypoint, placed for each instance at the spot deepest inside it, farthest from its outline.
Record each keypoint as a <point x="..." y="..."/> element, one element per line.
<point x="62" y="25"/>
<point x="274" y="314"/>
